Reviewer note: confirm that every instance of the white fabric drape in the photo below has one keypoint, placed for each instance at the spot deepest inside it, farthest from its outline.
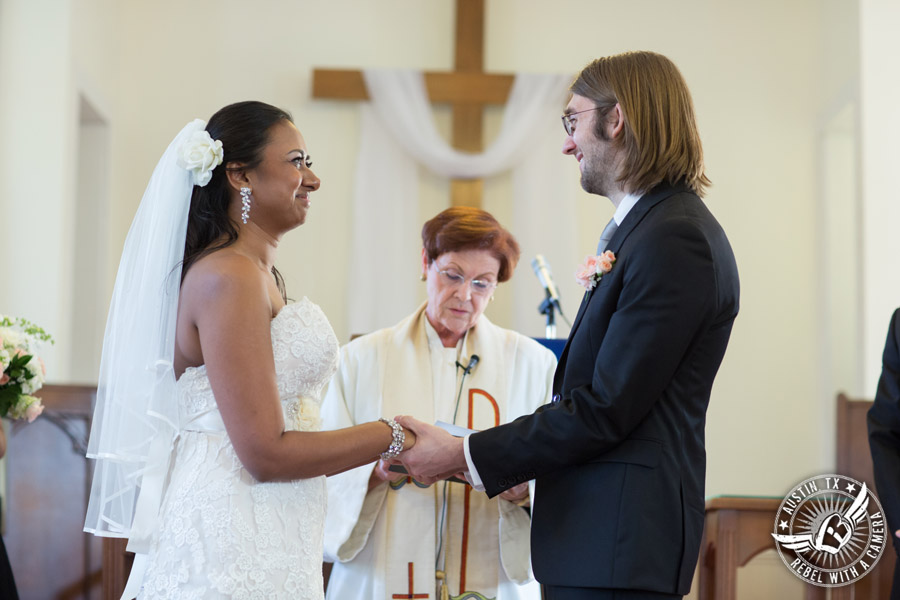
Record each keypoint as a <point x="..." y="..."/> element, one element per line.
<point x="382" y="287"/>
<point x="401" y="101"/>
<point x="545" y="191"/>
<point x="398" y="134"/>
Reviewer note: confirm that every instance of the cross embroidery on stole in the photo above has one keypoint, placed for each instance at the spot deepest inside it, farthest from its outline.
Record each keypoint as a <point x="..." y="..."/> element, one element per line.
<point x="410" y="593"/>
<point x="468" y="493"/>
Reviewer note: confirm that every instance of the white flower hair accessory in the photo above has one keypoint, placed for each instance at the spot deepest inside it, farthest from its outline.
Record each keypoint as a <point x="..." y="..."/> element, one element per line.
<point x="200" y="154"/>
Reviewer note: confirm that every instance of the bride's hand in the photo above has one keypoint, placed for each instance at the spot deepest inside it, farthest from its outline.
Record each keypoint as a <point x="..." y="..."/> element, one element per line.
<point x="410" y="439"/>
<point x="436" y="455"/>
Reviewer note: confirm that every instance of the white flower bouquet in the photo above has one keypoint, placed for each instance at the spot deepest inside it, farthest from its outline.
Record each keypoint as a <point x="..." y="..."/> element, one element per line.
<point x="21" y="370"/>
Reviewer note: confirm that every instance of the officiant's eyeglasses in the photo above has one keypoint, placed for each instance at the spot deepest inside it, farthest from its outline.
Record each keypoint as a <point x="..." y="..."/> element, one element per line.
<point x="569" y="124"/>
<point x="481" y="287"/>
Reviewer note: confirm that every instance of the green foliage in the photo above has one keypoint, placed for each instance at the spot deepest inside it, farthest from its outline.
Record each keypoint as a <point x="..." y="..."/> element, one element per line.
<point x="9" y="394"/>
<point x="16" y="366"/>
<point x="28" y="327"/>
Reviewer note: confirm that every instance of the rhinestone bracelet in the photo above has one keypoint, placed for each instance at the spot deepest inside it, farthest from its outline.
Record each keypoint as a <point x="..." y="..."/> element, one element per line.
<point x="398" y="437"/>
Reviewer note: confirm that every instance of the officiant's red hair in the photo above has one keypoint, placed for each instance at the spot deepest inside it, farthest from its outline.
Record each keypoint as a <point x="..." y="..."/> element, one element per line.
<point x="468" y="228"/>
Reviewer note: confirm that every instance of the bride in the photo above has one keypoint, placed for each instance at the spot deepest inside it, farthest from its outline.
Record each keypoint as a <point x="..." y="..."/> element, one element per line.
<point x="205" y="431"/>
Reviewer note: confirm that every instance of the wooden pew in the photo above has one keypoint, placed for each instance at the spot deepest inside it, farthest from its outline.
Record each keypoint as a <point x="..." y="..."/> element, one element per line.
<point x="48" y="482"/>
<point x="737" y="528"/>
<point x="854" y="459"/>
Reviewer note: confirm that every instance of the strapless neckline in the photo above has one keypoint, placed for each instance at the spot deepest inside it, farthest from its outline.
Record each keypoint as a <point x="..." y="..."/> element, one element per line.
<point x="202" y="368"/>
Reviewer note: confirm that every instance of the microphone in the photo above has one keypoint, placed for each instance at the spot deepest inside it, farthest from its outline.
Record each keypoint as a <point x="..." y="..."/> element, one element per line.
<point x="472" y="362"/>
<point x="543" y="274"/>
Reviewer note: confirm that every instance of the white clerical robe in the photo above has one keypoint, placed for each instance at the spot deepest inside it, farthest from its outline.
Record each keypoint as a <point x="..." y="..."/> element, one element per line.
<point x="389" y="542"/>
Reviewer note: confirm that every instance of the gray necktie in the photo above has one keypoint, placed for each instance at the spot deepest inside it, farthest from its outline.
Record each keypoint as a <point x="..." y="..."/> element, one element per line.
<point x="607" y="234"/>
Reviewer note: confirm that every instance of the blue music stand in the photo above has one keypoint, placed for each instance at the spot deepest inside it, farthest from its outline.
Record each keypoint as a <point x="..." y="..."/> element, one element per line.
<point x="555" y="345"/>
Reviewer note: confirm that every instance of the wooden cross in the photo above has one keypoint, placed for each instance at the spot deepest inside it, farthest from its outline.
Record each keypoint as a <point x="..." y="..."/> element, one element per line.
<point x="467" y="88"/>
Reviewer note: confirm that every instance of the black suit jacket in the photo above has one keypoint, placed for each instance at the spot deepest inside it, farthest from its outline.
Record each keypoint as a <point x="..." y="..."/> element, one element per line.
<point x="884" y="431"/>
<point x="619" y="456"/>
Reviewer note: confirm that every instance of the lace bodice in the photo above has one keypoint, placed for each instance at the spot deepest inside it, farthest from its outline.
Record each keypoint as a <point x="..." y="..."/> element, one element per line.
<point x="306" y="356"/>
<point x="222" y="534"/>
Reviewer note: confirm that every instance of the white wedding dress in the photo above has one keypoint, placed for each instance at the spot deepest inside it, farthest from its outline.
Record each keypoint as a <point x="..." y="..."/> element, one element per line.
<point x="222" y="533"/>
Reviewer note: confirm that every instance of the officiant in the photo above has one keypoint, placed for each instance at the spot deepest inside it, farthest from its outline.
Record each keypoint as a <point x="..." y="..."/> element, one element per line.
<point x="387" y="533"/>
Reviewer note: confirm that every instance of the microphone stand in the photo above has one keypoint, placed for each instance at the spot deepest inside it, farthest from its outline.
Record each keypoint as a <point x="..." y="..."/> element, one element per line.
<point x="548" y="308"/>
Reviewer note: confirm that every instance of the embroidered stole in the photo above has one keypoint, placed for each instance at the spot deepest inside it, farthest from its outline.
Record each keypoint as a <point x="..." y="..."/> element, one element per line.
<point x="420" y="378"/>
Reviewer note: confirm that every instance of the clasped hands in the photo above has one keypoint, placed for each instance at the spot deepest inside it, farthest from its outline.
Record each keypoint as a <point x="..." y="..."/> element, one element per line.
<point x="435" y="456"/>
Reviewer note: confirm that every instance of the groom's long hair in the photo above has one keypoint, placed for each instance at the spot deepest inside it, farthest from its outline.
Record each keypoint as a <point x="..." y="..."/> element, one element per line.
<point x="660" y="140"/>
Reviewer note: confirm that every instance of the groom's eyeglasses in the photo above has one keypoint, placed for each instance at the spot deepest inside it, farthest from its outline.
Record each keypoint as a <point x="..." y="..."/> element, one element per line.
<point x="569" y="123"/>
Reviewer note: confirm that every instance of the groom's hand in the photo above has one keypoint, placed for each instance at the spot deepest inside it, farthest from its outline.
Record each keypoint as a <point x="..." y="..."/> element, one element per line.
<point x="436" y="455"/>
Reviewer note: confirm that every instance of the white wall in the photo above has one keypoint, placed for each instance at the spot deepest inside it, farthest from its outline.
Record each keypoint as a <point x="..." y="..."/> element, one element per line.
<point x="38" y="119"/>
<point x="880" y="127"/>
<point x="761" y="75"/>
<point x="96" y="50"/>
<point x="837" y="214"/>
<point x="90" y="227"/>
<point x="53" y="54"/>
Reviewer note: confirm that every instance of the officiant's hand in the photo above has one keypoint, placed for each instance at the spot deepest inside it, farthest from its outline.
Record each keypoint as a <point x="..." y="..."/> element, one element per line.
<point x="516" y="494"/>
<point x="436" y="455"/>
<point x="381" y="474"/>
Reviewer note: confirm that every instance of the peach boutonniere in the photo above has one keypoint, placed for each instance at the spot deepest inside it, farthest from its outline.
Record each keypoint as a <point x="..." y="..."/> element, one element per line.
<point x="593" y="268"/>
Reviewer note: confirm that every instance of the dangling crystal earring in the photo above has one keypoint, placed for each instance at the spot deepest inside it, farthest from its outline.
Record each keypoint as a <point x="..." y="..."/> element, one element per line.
<point x="245" y="204"/>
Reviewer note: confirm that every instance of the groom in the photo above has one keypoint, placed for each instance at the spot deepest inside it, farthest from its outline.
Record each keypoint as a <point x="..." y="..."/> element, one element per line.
<point x="618" y="455"/>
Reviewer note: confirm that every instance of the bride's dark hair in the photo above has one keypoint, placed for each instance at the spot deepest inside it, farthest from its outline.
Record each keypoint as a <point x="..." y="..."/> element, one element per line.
<point x="243" y="128"/>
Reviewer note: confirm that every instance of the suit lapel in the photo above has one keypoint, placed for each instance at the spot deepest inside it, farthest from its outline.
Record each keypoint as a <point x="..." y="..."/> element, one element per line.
<point x="640" y="210"/>
<point x="634" y="216"/>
